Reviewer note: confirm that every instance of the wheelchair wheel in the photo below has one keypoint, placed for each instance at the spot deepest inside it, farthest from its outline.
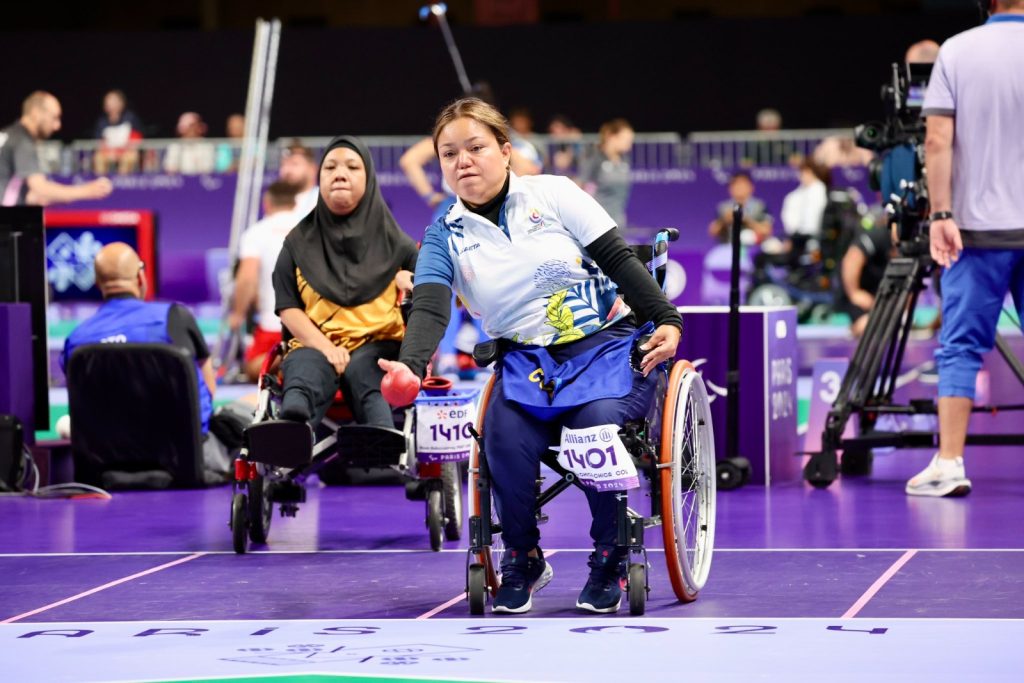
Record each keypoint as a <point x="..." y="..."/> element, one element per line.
<point x="451" y="487"/>
<point x="260" y="509"/>
<point x="732" y="473"/>
<point x="435" y="518"/>
<point x="476" y="588"/>
<point x="637" y="588"/>
<point x="490" y="558"/>
<point x="687" y="482"/>
<point x="239" y="522"/>
<point x="769" y="295"/>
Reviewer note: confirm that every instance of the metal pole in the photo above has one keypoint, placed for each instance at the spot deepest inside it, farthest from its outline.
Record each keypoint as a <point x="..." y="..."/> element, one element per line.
<point x="259" y="164"/>
<point x="732" y="400"/>
<point x="440" y="10"/>
<point x="239" y="214"/>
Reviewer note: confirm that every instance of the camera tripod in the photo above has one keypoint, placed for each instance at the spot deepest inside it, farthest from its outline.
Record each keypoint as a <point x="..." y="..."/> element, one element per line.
<point x="870" y="381"/>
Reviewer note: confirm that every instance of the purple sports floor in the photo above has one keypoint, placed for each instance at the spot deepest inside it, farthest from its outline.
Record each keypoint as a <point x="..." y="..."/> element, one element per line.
<point x="850" y="582"/>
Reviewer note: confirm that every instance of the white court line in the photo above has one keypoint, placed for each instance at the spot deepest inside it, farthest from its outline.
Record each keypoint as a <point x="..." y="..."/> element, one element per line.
<point x="101" y="588"/>
<point x="877" y="585"/>
<point x="424" y="551"/>
<point x="462" y="596"/>
<point x="476" y="620"/>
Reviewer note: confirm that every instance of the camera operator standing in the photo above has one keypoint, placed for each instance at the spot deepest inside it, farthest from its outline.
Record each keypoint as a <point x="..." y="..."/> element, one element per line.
<point x="974" y="160"/>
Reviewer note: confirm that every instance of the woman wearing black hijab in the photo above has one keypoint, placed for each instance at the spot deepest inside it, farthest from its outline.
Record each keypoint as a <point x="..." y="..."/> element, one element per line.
<point x="336" y="285"/>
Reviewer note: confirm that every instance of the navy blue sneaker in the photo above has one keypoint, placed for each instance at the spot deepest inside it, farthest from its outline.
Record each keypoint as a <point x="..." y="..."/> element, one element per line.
<point x="521" y="575"/>
<point x="603" y="591"/>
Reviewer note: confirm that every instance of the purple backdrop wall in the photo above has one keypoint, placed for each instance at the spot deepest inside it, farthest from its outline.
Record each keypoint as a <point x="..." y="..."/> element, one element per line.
<point x="194" y="214"/>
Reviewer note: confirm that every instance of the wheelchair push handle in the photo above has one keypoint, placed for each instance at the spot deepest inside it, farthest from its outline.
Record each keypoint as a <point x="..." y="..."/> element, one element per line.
<point x="667" y="235"/>
<point x="658" y="265"/>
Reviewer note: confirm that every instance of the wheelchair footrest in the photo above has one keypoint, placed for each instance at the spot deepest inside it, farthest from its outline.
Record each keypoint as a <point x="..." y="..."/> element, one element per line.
<point x="280" y="443"/>
<point x="370" y="447"/>
<point x="287" y="492"/>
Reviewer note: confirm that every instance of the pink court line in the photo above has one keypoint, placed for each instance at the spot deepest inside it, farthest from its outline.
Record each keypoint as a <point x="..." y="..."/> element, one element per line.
<point x="454" y="601"/>
<point x="105" y="586"/>
<point x="877" y="585"/>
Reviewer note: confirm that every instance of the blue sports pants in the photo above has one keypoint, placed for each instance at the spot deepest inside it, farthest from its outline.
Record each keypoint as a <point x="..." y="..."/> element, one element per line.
<point x="973" y="290"/>
<point x="515" y="439"/>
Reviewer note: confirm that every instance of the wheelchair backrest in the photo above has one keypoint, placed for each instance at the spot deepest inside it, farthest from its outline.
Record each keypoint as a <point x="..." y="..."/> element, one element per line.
<point x="135" y="407"/>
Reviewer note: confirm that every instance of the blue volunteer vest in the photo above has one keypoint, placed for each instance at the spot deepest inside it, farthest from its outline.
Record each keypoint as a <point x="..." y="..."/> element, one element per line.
<point x="132" y="321"/>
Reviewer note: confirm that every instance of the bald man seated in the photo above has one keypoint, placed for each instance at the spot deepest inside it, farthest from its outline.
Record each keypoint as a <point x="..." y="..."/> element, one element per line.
<point x="124" y="317"/>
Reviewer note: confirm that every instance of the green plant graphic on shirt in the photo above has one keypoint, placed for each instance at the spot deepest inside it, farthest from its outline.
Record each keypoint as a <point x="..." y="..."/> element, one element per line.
<point x="560" y="317"/>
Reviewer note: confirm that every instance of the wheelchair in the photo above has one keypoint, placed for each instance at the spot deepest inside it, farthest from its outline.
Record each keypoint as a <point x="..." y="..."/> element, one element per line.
<point x="808" y="277"/>
<point x="271" y="470"/>
<point x="803" y="278"/>
<point x="673" y="448"/>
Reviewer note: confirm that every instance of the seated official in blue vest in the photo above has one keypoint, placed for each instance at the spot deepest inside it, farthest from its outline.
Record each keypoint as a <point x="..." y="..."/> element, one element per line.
<point x="125" y="318"/>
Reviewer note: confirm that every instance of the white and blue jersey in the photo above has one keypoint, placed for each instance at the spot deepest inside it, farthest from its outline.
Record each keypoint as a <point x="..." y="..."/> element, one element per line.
<point x="529" y="278"/>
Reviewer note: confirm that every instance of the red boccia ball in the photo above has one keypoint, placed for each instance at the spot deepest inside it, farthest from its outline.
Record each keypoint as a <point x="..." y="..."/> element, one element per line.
<point x="399" y="387"/>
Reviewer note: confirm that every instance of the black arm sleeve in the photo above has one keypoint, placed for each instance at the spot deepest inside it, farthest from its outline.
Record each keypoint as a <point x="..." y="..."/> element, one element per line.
<point x="184" y="332"/>
<point x="616" y="260"/>
<point x="428" y="320"/>
<point x="286" y="287"/>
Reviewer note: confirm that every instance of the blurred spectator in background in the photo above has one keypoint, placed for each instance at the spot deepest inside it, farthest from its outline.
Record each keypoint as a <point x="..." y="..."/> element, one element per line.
<point x="802" y="212"/>
<point x="840" y="150"/>
<point x="605" y="173"/>
<point x="234" y="127"/>
<point x="922" y="52"/>
<point x="300" y="168"/>
<point x="565" y="149"/>
<point x="193" y="154"/>
<point x="861" y="273"/>
<point x="803" y="208"/>
<point x="118" y="129"/>
<point x="22" y="180"/>
<point x="257" y="255"/>
<point x="769" y="120"/>
<point x="229" y="152"/>
<point x="524" y="141"/>
<point x="414" y="163"/>
<point x="757" y="223"/>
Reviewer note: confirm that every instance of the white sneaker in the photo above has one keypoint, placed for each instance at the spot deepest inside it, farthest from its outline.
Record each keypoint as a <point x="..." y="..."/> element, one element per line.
<point x="942" y="478"/>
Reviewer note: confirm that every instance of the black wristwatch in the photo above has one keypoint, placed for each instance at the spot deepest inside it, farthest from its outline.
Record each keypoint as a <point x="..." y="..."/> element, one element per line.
<point x="941" y="216"/>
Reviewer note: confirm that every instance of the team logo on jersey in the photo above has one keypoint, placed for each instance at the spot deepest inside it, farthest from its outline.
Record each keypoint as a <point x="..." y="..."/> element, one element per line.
<point x="535" y="217"/>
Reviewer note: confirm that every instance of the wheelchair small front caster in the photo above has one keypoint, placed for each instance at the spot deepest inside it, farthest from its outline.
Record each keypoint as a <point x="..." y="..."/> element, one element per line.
<point x="435" y="518"/>
<point x="637" y="588"/>
<point x="476" y="588"/>
<point x="239" y="522"/>
<point x="732" y="473"/>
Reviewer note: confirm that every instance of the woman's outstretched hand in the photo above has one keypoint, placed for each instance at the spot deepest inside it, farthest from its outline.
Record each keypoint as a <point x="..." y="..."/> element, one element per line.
<point x="400" y="385"/>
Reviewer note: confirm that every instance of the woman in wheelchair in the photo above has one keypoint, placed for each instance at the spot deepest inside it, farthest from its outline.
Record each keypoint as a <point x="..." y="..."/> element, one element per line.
<point x="336" y="285"/>
<point x="542" y="264"/>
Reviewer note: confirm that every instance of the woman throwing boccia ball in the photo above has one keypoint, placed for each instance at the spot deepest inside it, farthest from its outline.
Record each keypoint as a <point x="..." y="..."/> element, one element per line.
<point x="541" y="263"/>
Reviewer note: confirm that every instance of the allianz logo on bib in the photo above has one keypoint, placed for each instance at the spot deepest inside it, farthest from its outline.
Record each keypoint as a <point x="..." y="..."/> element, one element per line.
<point x="605" y="435"/>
